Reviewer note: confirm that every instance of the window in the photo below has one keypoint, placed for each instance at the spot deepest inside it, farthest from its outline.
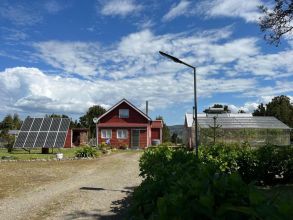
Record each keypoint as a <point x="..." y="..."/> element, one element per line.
<point x="122" y="133"/>
<point x="123" y="113"/>
<point x="106" y="133"/>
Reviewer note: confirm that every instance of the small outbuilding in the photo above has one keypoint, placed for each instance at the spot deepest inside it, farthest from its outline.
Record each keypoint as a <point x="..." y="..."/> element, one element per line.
<point x="76" y="137"/>
<point x="237" y="128"/>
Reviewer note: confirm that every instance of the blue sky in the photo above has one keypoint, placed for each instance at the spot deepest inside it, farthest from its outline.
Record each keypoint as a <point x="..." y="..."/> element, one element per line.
<point x="65" y="56"/>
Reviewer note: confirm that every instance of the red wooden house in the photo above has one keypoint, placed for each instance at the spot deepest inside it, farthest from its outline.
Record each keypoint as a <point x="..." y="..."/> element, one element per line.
<point x="127" y="126"/>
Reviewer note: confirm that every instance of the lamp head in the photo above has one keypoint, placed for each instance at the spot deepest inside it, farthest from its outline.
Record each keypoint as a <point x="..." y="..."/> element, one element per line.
<point x="174" y="59"/>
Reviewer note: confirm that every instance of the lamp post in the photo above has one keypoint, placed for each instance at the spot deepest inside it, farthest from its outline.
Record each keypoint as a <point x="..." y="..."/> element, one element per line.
<point x="176" y="60"/>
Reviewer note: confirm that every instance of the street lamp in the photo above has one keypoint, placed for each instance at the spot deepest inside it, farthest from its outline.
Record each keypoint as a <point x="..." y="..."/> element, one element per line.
<point x="176" y="60"/>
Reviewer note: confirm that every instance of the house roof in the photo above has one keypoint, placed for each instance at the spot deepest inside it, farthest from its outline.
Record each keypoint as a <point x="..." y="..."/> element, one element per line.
<point x="130" y="104"/>
<point x="236" y="121"/>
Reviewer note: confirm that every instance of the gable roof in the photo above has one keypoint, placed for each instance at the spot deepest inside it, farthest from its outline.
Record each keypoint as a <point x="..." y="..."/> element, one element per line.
<point x="236" y="121"/>
<point x="128" y="103"/>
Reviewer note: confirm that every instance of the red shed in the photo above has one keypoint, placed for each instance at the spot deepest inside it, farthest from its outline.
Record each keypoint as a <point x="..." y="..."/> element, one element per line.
<point x="125" y="125"/>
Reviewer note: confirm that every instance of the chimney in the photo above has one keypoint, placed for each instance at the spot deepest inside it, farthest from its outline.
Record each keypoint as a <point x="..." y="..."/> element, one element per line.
<point x="147" y="107"/>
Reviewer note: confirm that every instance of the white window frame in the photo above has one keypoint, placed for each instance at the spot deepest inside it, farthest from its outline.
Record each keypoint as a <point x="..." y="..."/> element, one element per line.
<point x="121" y="111"/>
<point x="106" y="136"/>
<point x="122" y="130"/>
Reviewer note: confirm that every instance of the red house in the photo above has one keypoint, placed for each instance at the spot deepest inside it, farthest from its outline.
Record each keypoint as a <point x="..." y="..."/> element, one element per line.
<point x="124" y="125"/>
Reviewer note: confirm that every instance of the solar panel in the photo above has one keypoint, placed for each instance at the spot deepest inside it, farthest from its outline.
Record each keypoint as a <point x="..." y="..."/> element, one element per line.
<point x="20" y="139"/>
<point x="50" y="140"/>
<point x="55" y="125"/>
<point x="36" y="124"/>
<point x="29" y="143"/>
<point x="40" y="139"/>
<point x="42" y="132"/>
<point x="60" y="139"/>
<point x="27" y="125"/>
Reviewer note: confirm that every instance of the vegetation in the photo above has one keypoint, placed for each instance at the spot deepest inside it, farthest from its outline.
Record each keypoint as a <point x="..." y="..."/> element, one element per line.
<point x="10" y="123"/>
<point x="86" y="151"/>
<point x="224" y="107"/>
<point x="177" y="185"/>
<point x="87" y="119"/>
<point x="280" y="107"/>
<point x="277" y="22"/>
<point x="36" y="153"/>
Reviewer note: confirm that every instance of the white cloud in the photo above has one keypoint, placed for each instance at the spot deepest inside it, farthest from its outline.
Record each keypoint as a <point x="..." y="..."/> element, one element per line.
<point x="137" y="53"/>
<point x="248" y="9"/>
<point x="20" y="14"/>
<point x="11" y="34"/>
<point x="119" y="7"/>
<point x="73" y="57"/>
<point x="53" y="6"/>
<point x="248" y="107"/>
<point x="177" y="10"/>
<point x="31" y="90"/>
<point x="271" y="65"/>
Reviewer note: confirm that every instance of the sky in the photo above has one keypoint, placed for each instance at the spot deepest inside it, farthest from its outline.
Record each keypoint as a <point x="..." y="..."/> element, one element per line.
<point x="63" y="56"/>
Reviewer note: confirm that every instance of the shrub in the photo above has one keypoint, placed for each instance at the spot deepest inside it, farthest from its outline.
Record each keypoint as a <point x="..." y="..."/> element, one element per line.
<point x="177" y="185"/>
<point x="266" y="165"/>
<point x="86" y="151"/>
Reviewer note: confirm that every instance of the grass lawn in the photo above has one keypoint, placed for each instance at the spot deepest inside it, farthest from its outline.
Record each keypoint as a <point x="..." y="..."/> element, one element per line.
<point x="36" y="153"/>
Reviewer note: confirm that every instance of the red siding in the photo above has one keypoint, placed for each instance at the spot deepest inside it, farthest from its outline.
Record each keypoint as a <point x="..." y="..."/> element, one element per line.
<point x="122" y="142"/>
<point x="68" y="139"/>
<point x="113" y="116"/>
<point x="136" y="120"/>
<point x="143" y="138"/>
<point x="156" y="133"/>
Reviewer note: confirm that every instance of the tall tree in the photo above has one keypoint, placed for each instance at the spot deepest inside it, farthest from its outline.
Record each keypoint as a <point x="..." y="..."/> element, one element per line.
<point x="16" y="122"/>
<point x="280" y="107"/>
<point x="260" y="111"/>
<point x="278" y="21"/>
<point x="56" y="116"/>
<point x="174" y="138"/>
<point x="166" y="130"/>
<point x="87" y="119"/>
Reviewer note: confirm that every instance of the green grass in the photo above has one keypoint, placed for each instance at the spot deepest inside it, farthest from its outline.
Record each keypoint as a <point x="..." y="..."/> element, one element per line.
<point x="36" y="153"/>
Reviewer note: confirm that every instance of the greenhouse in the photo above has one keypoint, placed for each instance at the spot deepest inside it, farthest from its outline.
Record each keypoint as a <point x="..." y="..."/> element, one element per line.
<point x="237" y="128"/>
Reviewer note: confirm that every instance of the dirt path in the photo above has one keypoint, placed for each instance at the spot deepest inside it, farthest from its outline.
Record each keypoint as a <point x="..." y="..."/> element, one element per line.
<point x="92" y="193"/>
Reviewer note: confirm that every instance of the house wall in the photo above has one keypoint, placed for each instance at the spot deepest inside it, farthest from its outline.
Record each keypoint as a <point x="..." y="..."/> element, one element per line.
<point x="156" y="133"/>
<point x="114" y="142"/>
<point x="68" y="139"/>
<point x="113" y="116"/>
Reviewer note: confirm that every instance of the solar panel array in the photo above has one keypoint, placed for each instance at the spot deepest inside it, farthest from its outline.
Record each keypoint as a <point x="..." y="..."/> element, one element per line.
<point x="42" y="132"/>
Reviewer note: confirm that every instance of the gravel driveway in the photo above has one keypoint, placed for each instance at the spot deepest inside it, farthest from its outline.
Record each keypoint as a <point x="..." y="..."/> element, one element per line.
<point x="97" y="192"/>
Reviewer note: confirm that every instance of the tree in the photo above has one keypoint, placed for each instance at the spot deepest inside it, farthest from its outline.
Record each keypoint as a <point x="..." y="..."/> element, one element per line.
<point x="56" y="116"/>
<point x="11" y="123"/>
<point x="278" y="21"/>
<point x="174" y="138"/>
<point x="241" y="111"/>
<point x="260" y="111"/>
<point x="219" y="106"/>
<point x="166" y="130"/>
<point x="87" y="119"/>
<point x="280" y="107"/>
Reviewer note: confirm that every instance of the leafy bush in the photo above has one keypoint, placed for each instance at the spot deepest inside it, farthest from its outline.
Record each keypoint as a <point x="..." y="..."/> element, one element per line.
<point x="177" y="185"/>
<point x="86" y="151"/>
<point x="266" y="165"/>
